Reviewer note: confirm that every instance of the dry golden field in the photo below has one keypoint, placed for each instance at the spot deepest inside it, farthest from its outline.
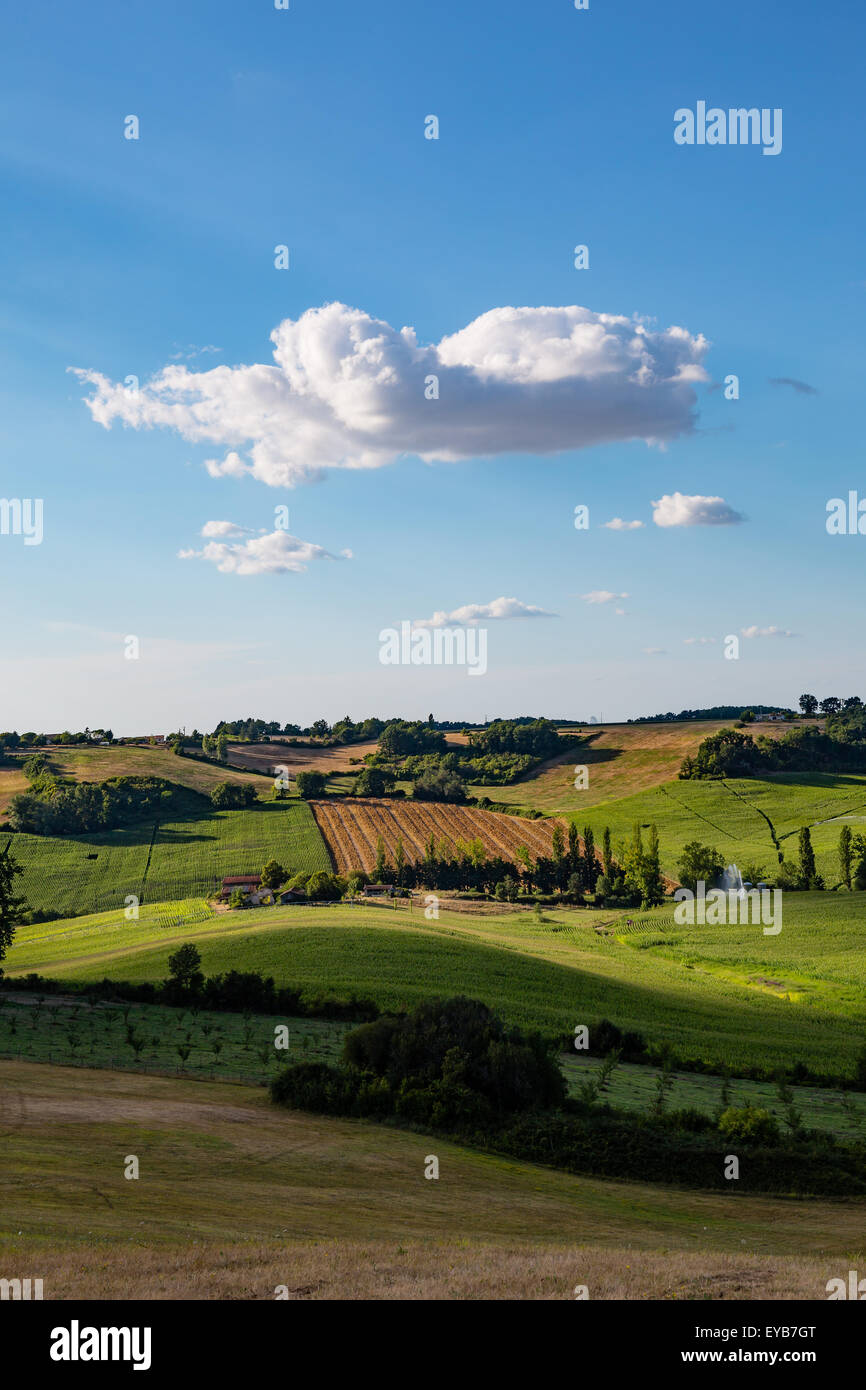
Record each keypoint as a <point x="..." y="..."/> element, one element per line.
<point x="622" y="759"/>
<point x="98" y="764"/>
<point x="262" y="757"/>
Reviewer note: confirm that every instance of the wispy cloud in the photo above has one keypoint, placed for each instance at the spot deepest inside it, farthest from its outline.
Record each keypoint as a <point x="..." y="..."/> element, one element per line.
<point x="472" y="613"/>
<point x="276" y="552"/>
<point x="224" y="529"/>
<point x="617" y="524"/>
<point x="601" y="596"/>
<point x="802" y="388"/>
<point x="773" y="631"/>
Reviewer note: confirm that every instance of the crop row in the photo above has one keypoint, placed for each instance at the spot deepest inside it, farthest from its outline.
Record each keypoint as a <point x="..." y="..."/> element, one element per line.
<point x="352" y="828"/>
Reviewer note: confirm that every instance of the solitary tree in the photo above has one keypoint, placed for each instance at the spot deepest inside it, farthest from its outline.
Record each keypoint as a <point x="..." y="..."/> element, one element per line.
<point x="589" y="867"/>
<point x="380" y="860"/>
<point x="183" y="967"/>
<point x="808" y="704"/>
<point x="808" y="874"/>
<point x="699" y="864"/>
<point x="846" y="855"/>
<point x="652" y="883"/>
<point x="273" y="874"/>
<point x="606" y="854"/>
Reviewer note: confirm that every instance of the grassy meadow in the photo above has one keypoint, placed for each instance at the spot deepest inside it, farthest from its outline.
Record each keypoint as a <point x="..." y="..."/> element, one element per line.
<point x="235" y="1197"/>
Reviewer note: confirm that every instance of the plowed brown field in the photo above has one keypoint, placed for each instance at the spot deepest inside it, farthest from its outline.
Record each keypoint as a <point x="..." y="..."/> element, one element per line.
<point x="352" y="825"/>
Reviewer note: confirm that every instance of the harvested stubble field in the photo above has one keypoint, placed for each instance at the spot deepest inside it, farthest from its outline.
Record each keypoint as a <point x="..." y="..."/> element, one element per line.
<point x="236" y="1197"/>
<point x="262" y="757"/>
<point x="623" y="760"/>
<point x="352" y="826"/>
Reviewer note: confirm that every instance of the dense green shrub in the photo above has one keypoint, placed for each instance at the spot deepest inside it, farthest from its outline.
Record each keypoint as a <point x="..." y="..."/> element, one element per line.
<point x="749" y="1124"/>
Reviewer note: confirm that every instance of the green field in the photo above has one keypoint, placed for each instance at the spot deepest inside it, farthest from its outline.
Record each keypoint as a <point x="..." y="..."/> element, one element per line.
<point x="727" y="815"/>
<point x="634" y="1088"/>
<point x="172" y="859"/>
<point x="722" y="995"/>
<point x="151" y="1037"/>
<point x="238" y="1047"/>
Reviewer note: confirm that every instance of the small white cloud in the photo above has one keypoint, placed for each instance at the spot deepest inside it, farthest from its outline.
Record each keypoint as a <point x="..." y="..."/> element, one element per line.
<point x="471" y="613"/>
<point x="653" y="651"/>
<point x="224" y="529"/>
<point x="601" y="596"/>
<point x="274" y="553"/>
<point x="697" y="641"/>
<point x="620" y="612"/>
<point x="756" y="631"/>
<point x="617" y="524"/>
<point x="681" y="509"/>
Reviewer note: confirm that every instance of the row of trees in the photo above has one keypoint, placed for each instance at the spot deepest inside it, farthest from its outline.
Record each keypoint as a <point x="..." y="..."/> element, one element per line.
<point x="57" y="806"/>
<point x="10" y="739"/>
<point x="572" y="869"/>
<point x="731" y="753"/>
<point x="811" y="705"/>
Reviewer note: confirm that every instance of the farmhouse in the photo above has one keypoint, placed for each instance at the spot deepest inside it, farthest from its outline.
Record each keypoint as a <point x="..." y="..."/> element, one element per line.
<point x="378" y="890"/>
<point x="248" y="883"/>
<point x="292" y="895"/>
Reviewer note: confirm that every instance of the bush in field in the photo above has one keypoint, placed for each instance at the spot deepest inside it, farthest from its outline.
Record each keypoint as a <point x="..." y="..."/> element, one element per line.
<point x="324" y="887"/>
<point x="459" y="1042"/>
<point x="233" y="796"/>
<point x="373" y="781"/>
<point x="439" y="785"/>
<point x="310" y="784"/>
<point x="749" y="1124"/>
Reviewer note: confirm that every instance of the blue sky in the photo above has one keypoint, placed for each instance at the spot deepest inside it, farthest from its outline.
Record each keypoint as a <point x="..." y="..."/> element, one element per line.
<point x="305" y="128"/>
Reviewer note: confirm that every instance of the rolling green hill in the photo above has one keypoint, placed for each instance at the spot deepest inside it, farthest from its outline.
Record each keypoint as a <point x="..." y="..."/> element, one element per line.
<point x="720" y="996"/>
<point x="740" y="816"/>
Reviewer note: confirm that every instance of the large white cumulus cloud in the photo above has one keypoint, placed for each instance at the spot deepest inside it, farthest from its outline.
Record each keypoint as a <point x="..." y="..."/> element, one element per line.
<point x="349" y="391"/>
